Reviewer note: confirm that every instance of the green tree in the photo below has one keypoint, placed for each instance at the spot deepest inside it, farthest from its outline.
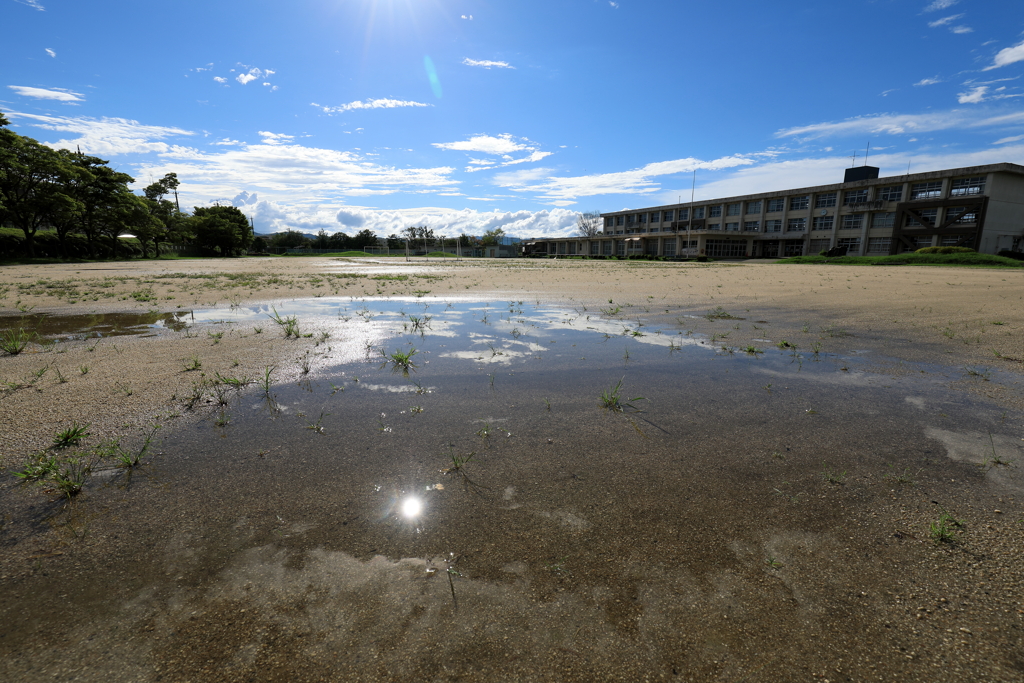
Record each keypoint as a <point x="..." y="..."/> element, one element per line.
<point x="33" y="178"/>
<point x="492" y="237"/>
<point x="172" y="226"/>
<point x="288" y="239"/>
<point x="105" y="201"/>
<point x="364" y="238"/>
<point x="223" y="228"/>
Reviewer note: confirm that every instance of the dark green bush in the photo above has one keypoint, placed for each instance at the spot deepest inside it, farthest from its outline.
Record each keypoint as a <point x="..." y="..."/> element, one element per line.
<point x="945" y="250"/>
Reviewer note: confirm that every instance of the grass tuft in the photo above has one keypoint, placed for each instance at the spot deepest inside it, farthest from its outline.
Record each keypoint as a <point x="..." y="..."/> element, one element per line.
<point x="13" y="342"/>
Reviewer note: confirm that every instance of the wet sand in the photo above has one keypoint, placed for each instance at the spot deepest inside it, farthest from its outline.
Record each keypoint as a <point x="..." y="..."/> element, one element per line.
<point x="766" y="517"/>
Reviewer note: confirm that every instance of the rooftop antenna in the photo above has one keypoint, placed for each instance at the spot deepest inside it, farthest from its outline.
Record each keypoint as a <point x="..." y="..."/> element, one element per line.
<point x="854" y="162"/>
<point x="866" y="153"/>
<point x="908" y="165"/>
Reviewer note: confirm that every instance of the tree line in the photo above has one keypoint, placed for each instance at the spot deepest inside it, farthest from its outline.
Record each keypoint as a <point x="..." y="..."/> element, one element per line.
<point x="74" y="205"/>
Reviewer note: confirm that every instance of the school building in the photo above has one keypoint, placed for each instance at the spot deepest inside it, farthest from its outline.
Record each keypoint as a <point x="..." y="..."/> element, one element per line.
<point x="981" y="207"/>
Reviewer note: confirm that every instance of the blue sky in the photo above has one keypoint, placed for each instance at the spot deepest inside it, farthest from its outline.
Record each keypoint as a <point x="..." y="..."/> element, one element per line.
<point x="466" y="115"/>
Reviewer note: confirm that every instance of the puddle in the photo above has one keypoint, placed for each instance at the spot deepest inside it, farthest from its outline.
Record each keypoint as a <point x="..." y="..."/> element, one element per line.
<point x="95" y="324"/>
<point x="534" y="493"/>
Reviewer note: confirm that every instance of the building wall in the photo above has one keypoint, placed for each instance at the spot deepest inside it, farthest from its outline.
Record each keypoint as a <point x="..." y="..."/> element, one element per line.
<point x="1004" y="222"/>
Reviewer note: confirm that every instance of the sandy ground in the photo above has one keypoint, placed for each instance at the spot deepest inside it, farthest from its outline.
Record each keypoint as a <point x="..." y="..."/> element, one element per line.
<point x="955" y="316"/>
<point x="763" y="520"/>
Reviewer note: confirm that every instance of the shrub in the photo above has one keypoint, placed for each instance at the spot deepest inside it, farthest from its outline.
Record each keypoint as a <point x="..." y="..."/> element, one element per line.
<point x="1015" y="255"/>
<point x="945" y="250"/>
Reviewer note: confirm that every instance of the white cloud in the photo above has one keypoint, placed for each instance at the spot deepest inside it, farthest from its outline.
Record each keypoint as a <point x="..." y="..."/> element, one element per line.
<point x="973" y="96"/>
<point x="1007" y="56"/>
<point x="962" y="29"/>
<point x="487" y="64"/>
<point x="928" y="81"/>
<point x="383" y="103"/>
<point x="35" y="4"/>
<point x="899" y="124"/>
<point x="51" y="52"/>
<point x="59" y="94"/>
<point x="940" y="5"/>
<point x="944" y="20"/>
<point x="106" y="136"/>
<point x="637" y="181"/>
<point x="220" y="79"/>
<point x="487" y="144"/>
<point x="615" y="5"/>
<point x="468" y="17"/>
<point x="451" y="222"/>
<point x="249" y="76"/>
<point x="503" y="145"/>
<point x="228" y="142"/>
<point x="1003" y="141"/>
<point x="275" y="138"/>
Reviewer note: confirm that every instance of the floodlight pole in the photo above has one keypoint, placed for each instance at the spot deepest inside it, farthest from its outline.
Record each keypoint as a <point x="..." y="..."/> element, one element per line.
<point x="689" y="221"/>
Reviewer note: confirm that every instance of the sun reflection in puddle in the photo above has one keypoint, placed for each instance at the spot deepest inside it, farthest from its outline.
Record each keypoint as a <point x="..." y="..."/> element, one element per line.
<point x="412" y="507"/>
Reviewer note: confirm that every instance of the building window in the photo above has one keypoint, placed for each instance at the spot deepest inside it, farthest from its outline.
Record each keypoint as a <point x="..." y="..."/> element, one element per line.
<point x="825" y="200"/>
<point x="595" y="248"/>
<point x="655" y="216"/>
<point x="608" y="221"/>
<point x="561" y="247"/>
<point x="754" y="207"/>
<point x="852" y="244"/>
<point x="879" y="245"/>
<point x="798" y="203"/>
<point x="620" y="247"/>
<point x="916" y="243"/>
<point x="725" y="248"/>
<point x="796" y="225"/>
<point x="715" y="211"/>
<point x="893" y="193"/>
<point x="929" y="214"/>
<point x="714" y="226"/>
<point x="818" y="246"/>
<point x="776" y="205"/>
<point x="949" y="241"/>
<point x="668" y="216"/>
<point x="684" y="214"/>
<point x="930" y="190"/>
<point x="619" y="220"/>
<point x="852" y="221"/>
<point x="963" y="187"/>
<point x="698" y="213"/>
<point x="733" y="209"/>
<point x="641" y="218"/>
<point x="967" y="217"/>
<point x="606" y="247"/>
<point x="752" y="226"/>
<point x="773" y="225"/>
<point x="735" y="227"/>
<point x="793" y="248"/>
<point x="855" y="197"/>
<point x="883" y="220"/>
<point x="823" y="222"/>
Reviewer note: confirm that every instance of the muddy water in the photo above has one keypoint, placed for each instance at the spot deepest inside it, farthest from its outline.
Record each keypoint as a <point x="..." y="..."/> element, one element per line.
<point x="482" y="515"/>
